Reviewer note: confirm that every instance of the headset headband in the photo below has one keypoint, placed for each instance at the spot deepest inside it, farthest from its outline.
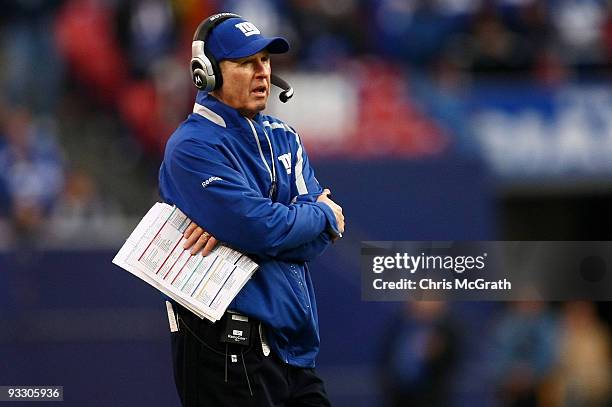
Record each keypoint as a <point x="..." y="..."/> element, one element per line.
<point x="211" y="22"/>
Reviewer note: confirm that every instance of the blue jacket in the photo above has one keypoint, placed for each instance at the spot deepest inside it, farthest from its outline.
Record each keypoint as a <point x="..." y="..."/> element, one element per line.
<point x="249" y="183"/>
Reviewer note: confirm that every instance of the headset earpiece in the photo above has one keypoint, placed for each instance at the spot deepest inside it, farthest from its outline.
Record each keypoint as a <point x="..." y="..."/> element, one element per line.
<point x="205" y="72"/>
<point x="202" y="69"/>
<point x="199" y="77"/>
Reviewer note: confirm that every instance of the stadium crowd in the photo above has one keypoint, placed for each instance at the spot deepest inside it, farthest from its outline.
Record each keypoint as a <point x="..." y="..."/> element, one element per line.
<point x="126" y="60"/>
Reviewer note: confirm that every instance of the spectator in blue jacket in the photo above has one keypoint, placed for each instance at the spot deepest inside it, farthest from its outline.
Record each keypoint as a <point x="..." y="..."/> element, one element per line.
<point x="31" y="172"/>
<point x="244" y="178"/>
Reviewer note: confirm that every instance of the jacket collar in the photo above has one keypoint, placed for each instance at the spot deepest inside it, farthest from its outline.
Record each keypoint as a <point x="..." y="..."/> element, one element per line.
<point x="221" y="114"/>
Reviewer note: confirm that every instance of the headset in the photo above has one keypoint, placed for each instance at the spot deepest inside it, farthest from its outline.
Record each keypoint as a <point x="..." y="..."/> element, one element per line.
<point x="205" y="71"/>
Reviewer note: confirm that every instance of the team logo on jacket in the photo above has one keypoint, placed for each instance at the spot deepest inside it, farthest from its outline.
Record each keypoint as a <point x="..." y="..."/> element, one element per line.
<point x="210" y="181"/>
<point x="286" y="160"/>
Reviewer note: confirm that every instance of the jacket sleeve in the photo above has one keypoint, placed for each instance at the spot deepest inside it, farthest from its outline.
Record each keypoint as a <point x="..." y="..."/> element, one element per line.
<point x="218" y="198"/>
<point x="306" y="189"/>
<point x="308" y="251"/>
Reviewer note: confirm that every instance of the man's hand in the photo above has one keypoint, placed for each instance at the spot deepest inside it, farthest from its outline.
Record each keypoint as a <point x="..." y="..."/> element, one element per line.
<point x="197" y="239"/>
<point x="334" y="207"/>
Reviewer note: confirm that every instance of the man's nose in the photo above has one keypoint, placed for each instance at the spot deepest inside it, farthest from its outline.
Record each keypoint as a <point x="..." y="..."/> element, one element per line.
<point x="262" y="68"/>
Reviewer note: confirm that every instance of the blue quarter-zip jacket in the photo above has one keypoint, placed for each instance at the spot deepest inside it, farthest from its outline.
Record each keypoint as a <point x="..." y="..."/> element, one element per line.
<point x="249" y="183"/>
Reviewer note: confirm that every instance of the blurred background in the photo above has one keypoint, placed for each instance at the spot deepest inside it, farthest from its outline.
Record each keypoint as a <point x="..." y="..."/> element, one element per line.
<point x="428" y="120"/>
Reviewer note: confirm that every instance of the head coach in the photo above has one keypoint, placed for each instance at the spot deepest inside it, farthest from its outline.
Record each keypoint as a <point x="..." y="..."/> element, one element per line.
<point x="244" y="178"/>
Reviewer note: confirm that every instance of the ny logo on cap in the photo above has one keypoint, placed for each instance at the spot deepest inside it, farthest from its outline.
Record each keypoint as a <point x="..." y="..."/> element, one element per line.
<point x="247" y="28"/>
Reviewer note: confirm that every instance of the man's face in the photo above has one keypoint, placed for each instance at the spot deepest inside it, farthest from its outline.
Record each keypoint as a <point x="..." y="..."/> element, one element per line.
<point x="246" y="83"/>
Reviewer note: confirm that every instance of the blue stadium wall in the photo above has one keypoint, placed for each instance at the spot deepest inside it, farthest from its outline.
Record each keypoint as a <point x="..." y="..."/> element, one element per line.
<point x="71" y="318"/>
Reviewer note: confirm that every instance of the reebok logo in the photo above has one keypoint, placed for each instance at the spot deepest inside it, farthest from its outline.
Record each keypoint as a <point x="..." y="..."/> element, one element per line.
<point x="247" y="28"/>
<point x="210" y="181"/>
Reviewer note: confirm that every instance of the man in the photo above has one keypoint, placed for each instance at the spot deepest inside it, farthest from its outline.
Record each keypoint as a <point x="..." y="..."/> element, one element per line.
<point x="245" y="179"/>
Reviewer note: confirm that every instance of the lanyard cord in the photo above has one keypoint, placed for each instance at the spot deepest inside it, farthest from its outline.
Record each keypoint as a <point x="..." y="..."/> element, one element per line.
<point x="271" y="171"/>
<point x="246" y="373"/>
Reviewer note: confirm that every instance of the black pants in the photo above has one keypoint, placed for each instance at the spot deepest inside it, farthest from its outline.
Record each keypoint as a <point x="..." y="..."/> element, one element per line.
<point x="207" y="374"/>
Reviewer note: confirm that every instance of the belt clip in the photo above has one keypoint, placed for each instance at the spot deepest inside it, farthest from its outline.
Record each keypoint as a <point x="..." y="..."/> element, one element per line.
<point x="235" y="329"/>
<point x="171" y="317"/>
